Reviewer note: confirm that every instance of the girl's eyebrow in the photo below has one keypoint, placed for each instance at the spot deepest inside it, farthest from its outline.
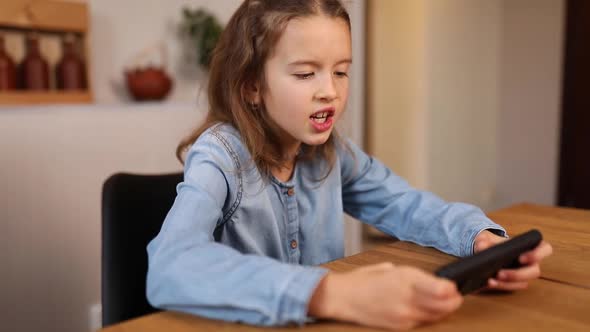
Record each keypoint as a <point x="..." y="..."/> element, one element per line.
<point x="315" y="63"/>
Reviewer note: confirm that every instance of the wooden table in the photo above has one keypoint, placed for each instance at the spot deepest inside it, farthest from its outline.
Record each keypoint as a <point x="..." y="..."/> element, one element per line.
<point x="559" y="300"/>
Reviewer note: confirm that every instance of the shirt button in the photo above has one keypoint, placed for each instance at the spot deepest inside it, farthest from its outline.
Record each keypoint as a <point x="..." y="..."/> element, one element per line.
<point x="293" y="244"/>
<point x="291" y="192"/>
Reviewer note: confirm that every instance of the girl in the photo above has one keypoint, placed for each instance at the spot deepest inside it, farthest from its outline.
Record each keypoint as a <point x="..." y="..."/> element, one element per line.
<point x="267" y="180"/>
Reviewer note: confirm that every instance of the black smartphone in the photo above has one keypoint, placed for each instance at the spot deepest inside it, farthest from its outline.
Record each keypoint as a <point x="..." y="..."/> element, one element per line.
<point x="472" y="273"/>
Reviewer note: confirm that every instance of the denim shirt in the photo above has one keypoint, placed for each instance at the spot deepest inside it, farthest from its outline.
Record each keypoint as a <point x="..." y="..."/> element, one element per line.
<point x="238" y="248"/>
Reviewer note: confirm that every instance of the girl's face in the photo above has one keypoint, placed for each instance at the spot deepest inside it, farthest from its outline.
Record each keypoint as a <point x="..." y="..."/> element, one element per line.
<point x="307" y="80"/>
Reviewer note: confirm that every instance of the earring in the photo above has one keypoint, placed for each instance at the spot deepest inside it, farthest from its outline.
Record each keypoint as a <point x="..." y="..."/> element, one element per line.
<point x="254" y="106"/>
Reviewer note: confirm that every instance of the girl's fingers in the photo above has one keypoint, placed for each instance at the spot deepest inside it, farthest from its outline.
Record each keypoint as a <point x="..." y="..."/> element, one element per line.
<point x="507" y="285"/>
<point x="438" y="307"/>
<point x="525" y="273"/>
<point x="433" y="287"/>
<point x="543" y="250"/>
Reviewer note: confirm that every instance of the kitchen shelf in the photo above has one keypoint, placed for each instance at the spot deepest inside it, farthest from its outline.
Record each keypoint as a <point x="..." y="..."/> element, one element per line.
<point x="47" y="17"/>
<point x="44" y="97"/>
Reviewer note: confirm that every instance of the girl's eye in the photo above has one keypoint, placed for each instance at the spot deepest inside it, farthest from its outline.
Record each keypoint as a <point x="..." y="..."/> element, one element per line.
<point x="341" y="74"/>
<point x="303" y="76"/>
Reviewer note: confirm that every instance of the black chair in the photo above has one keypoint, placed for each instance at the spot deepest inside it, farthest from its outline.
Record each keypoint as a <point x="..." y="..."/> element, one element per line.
<point x="133" y="210"/>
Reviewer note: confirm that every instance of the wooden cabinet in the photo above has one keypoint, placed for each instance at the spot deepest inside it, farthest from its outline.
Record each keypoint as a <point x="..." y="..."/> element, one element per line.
<point x="51" y="19"/>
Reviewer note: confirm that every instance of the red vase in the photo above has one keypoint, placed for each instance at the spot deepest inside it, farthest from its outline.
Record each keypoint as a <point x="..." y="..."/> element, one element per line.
<point x="33" y="70"/>
<point x="70" y="70"/>
<point x="7" y="69"/>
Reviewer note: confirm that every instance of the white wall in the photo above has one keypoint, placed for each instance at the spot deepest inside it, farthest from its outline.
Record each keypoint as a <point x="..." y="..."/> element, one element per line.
<point x="353" y="122"/>
<point x="433" y="93"/>
<point x="54" y="161"/>
<point x="462" y="75"/>
<point x="396" y="85"/>
<point x="120" y="30"/>
<point x="529" y="117"/>
<point x="464" y="96"/>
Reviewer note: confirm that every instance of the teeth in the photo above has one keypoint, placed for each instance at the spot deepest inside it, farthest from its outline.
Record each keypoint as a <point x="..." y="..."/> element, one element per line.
<point x="320" y="115"/>
<point x="320" y="120"/>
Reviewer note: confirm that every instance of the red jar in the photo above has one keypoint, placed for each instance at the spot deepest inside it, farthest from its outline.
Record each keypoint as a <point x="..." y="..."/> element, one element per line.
<point x="34" y="69"/>
<point x="7" y="68"/>
<point x="70" y="70"/>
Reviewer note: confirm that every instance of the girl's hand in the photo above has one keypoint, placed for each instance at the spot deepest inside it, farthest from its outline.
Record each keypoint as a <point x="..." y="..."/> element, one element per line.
<point x="514" y="279"/>
<point x="385" y="296"/>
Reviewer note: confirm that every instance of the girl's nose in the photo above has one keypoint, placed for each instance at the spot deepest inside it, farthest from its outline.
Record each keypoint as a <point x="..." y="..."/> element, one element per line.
<point x="327" y="90"/>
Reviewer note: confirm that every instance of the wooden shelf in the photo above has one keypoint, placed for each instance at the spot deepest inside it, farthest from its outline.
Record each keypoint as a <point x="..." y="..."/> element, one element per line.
<point x="52" y="15"/>
<point x="44" y="97"/>
<point x="47" y="17"/>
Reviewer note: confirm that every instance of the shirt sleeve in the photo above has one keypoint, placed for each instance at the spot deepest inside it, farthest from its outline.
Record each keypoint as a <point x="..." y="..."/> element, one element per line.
<point x="189" y="272"/>
<point x="372" y="193"/>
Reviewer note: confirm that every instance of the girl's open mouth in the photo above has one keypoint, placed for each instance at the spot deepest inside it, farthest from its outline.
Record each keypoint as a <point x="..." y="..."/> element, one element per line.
<point x="322" y="120"/>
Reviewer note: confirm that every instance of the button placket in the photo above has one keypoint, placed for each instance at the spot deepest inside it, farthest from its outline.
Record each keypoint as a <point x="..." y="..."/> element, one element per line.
<point x="293" y="225"/>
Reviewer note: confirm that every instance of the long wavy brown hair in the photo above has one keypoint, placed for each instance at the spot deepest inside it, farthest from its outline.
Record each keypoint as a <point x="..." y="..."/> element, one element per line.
<point x="237" y="64"/>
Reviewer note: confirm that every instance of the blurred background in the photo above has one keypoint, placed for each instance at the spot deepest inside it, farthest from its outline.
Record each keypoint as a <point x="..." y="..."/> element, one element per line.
<point x="478" y="101"/>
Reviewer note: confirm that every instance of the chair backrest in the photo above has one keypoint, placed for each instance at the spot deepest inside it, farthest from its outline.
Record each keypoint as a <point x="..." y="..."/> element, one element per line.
<point x="133" y="210"/>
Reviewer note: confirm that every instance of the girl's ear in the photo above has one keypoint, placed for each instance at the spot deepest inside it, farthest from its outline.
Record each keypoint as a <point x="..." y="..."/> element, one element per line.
<point x="252" y="93"/>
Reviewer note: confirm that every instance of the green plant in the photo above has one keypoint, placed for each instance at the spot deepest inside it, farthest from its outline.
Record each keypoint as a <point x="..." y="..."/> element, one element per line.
<point x="204" y="30"/>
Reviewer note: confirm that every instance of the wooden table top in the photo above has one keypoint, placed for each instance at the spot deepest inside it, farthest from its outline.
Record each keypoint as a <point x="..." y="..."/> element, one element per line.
<point x="568" y="231"/>
<point x="560" y="300"/>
